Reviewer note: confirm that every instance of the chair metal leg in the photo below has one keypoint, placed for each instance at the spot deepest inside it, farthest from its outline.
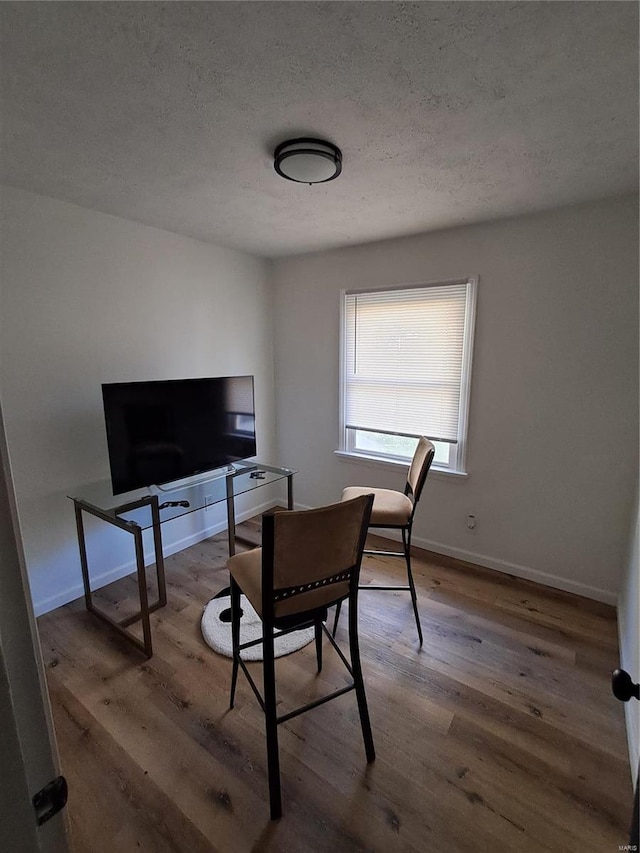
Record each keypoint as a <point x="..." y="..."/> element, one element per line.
<point x="406" y="549"/>
<point x="271" y="721"/>
<point x="354" y="649"/>
<point x="235" y="636"/>
<point x="318" y="628"/>
<point x="335" y="618"/>
<point x="406" y="542"/>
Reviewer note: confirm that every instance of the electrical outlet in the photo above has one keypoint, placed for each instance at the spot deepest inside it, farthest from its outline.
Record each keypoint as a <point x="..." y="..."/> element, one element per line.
<point x="471" y="522"/>
<point x="209" y="501"/>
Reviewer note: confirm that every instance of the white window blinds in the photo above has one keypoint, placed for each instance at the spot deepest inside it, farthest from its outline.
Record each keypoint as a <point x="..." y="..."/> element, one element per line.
<point x="404" y="357"/>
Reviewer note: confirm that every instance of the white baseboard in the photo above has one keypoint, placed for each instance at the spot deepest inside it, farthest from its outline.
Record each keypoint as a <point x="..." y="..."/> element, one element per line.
<point x="97" y="581"/>
<point x="524" y="572"/>
<point x="498" y="565"/>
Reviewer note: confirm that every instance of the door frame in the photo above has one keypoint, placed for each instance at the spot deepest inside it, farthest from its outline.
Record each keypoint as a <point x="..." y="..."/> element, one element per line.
<point x="27" y="738"/>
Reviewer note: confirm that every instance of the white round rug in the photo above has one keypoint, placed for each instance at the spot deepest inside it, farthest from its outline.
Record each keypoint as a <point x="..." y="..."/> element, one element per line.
<point x="217" y="632"/>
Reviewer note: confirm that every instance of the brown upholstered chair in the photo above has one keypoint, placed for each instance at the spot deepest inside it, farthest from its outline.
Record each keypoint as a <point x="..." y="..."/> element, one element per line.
<point x="395" y="510"/>
<point x="309" y="561"/>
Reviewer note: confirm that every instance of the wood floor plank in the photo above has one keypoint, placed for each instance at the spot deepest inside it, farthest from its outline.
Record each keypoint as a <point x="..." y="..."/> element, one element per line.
<point x="129" y="810"/>
<point x="499" y="734"/>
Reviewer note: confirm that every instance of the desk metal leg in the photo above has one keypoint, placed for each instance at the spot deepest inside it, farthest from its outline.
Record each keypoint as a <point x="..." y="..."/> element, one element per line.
<point x="157" y="547"/>
<point x="142" y="591"/>
<point x="231" y="516"/>
<point x="83" y="557"/>
<point x="144" y="645"/>
<point x="231" y="511"/>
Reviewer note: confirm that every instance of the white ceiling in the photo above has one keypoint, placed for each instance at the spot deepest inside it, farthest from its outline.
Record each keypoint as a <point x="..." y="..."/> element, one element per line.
<point x="446" y="112"/>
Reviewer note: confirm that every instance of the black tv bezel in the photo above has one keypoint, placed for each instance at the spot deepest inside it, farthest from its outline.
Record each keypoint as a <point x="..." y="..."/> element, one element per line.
<point x="157" y="382"/>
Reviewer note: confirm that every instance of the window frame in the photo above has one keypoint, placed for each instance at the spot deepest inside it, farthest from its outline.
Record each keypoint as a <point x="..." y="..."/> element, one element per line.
<point x="457" y="464"/>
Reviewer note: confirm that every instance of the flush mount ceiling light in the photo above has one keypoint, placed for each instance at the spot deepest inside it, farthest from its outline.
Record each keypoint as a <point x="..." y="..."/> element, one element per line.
<point x="307" y="161"/>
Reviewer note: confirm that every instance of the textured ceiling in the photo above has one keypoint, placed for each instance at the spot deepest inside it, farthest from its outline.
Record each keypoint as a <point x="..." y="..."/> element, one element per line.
<point x="446" y="112"/>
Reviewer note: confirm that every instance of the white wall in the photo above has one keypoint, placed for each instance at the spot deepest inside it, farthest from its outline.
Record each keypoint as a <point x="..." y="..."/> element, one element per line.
<point x="553" y="429"/>
<point x="89" y="298"/>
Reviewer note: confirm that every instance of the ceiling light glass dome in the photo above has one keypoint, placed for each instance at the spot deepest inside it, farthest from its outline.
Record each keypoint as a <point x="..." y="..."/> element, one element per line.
<point x="308" y="161"/>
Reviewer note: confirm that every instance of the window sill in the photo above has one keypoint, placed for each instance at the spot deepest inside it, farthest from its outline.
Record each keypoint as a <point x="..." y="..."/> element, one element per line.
<point x="377" y="462"/>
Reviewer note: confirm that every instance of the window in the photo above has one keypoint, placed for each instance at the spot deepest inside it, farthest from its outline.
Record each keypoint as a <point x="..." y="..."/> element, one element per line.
<point x="406" y="368"/>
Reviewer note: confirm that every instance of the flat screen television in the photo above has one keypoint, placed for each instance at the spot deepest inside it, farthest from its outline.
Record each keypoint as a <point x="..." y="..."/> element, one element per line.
<point x="172" y="429"/>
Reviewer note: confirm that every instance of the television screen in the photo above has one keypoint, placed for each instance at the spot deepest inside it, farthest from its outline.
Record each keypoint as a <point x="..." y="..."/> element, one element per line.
<point x="172" y="429"/>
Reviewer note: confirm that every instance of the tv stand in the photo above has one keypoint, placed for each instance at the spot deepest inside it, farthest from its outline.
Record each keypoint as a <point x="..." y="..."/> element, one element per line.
<point x="204" y="477"/>
<point x="138" y="511"/>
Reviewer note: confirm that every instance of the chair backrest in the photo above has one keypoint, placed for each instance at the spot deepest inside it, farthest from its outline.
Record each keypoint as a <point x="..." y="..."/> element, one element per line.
<point x="311" y="558"/>
<point x="419" y="468"/>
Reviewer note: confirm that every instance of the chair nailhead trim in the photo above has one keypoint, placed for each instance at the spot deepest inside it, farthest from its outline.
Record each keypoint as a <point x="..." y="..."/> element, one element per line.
<point x="287" y="592"/>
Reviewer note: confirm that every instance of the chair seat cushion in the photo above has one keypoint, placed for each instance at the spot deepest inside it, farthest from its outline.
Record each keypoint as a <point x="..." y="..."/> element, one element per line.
<point x="246" y="570"/>
<point x="389" y="507"/>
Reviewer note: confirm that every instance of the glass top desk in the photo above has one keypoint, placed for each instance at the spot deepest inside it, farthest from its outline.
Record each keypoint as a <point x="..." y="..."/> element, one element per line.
<point x="150" y="508"/>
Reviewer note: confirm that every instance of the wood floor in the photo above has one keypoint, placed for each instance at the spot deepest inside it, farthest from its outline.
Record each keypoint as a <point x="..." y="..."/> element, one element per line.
<point x="500" y="734"/>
